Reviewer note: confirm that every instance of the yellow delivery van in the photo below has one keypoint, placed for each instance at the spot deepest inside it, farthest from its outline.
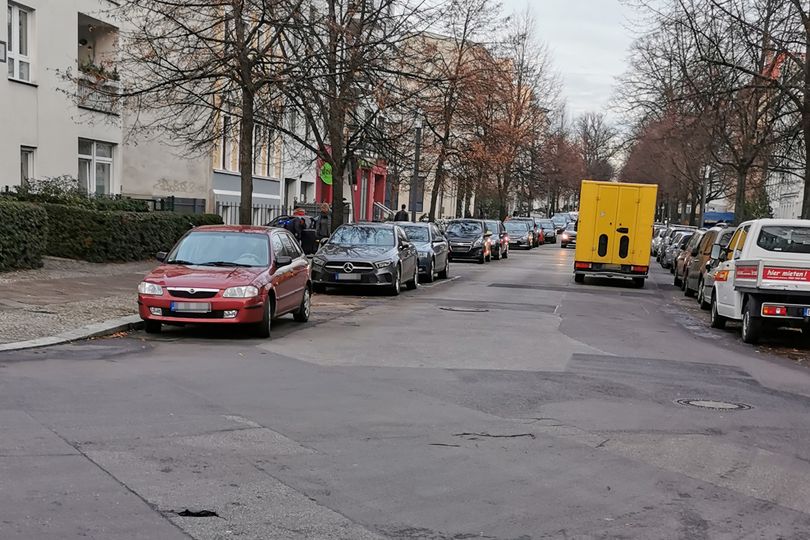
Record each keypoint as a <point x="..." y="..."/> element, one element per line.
<point x="614" y="230"/>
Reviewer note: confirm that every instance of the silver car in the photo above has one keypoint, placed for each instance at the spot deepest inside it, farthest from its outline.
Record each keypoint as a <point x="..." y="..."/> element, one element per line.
<point x="432" y="247"/>
<point x="704" y="294"/>
<point x="679" y="240"/>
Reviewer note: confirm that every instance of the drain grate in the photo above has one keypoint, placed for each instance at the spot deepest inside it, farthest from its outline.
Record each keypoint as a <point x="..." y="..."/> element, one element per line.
<point x="465" y="310"/>
<point x="713" y="405"/>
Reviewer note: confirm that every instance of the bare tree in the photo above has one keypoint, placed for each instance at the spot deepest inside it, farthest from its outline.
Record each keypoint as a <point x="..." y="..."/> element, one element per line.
<point x="597" y="141"/>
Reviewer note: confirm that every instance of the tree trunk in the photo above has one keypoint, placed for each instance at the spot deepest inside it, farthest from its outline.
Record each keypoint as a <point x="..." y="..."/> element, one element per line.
<point x="693" y="209"/>
<point x="246" y="159"/>
<point x="739" y="197"/>
<point x="438" y="181"/>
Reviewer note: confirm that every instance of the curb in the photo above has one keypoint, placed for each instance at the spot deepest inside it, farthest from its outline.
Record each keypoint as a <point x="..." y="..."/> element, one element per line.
<point x="85" y="332"/>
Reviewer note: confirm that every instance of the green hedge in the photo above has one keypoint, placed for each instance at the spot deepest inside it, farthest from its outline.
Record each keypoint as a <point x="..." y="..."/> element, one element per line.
<point x="95" y="236"/>
<point x="23" y="235"/>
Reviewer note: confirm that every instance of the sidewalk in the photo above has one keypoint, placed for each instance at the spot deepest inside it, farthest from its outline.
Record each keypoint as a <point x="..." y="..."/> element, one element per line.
<point x="66" y="295"/>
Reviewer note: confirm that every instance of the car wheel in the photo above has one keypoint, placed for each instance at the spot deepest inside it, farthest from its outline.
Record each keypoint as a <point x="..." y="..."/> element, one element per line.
<point x="701" y="296"/>
<point x="413" y="283"/>
<point x="506" y="253"/>
<point x="318" y="288"/>
<point x="396" y="285"/>
<point x="496" y="255"/>
<point x="579" y="278"/>
<point x="263" y="327"/>
<point x="482" y="259"/>
<point x="153" y="327"/>
<point x="444" y="274"/>
<point x="717" y="320"/>
<point x="687" y="291"/>
<point x="429" y="274"/>
<point x="751" y="325"/>
<point x="302" y="315"/>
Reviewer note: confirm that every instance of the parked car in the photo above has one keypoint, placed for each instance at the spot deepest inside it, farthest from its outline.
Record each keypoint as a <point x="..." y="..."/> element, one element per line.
<point x="667" y="239"/>
<point x="537" y="234"/>
<point x="677" y="243"/>
<point x="228" y="275"/>
<point x="560" y="222"/>
<point x="706" y="280"/>
<point x="691" y="273"/>
<point x="499" y="240"/>
<point x="549" y="231"/>
<point x="369" y="255"/>
<point x="520" y="234"/>
<point x="684" y="260"/>
<point x="764" y="278"/>
<point x="432" y="247"/>
<point x="658" y="237"/>
<point x="469" y="240"/>
<point x="569" y="236"/>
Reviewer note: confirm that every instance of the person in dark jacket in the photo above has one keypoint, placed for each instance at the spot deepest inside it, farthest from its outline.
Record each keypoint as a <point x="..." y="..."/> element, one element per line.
<point x="323" y="223"/>
<point x="402" y="215"/>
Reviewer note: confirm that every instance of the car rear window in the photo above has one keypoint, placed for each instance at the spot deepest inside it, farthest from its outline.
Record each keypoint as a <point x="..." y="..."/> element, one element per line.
<point x="221" y="249"/>
<point x="785" y="238"/>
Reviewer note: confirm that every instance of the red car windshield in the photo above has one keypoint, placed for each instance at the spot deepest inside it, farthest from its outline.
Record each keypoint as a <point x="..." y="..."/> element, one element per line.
<point x="221" y="248"/>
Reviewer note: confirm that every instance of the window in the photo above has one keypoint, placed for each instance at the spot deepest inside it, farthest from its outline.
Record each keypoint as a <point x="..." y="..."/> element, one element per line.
<point x="785" y="238"/>
<point x="19" y="39"/>
<point x="291" y="246"/>
<point x="95" y="166"/>
<point x="278" y="246"/>
<point x="26" y="164"/>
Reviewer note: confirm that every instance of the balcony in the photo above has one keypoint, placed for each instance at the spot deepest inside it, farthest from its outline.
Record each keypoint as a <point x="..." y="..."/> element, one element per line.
<point x="98" y="80"/>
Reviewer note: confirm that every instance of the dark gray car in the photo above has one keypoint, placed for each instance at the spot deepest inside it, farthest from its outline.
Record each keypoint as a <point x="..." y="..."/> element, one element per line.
<point x="366" y="254"/>
<point x="432" y="247"/>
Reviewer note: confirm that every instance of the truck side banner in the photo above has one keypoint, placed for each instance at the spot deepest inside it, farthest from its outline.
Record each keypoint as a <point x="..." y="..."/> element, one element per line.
<point x="785" y="274"/>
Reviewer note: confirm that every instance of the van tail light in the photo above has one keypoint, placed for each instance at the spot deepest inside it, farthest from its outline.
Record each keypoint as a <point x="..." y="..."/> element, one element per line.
<point x="582" y="265"/>
<point x="639" y="269"/>
<point x="770" y="310"/>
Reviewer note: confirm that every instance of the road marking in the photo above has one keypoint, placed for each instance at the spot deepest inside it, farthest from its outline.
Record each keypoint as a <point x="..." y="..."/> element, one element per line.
<point x="440" y="282"/>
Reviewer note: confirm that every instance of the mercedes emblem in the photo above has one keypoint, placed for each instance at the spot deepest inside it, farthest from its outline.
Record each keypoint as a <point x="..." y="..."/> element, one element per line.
<point x="348" y="268"/>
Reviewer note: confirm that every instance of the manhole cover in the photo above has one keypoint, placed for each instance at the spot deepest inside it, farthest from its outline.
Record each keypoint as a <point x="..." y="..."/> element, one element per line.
<point x="465" y="310"/>
<point x="713" y="404"/>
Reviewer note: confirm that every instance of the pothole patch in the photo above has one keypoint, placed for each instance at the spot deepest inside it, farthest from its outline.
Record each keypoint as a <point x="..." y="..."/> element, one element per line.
<point x="713" y="405"/>
<point x="197" y="513"/>
<point x="464" y="310"/>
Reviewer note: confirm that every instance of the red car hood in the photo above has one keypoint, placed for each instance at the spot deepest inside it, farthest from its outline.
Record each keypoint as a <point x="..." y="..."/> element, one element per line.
<point x="175" y="275"/>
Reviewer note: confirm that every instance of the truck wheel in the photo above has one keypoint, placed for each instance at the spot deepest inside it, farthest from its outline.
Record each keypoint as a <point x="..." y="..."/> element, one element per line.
<point x="717" y="320"/>
<point x="579" y="278"/>
<point x="638" y="282"/>
<point x="751" y="325"/>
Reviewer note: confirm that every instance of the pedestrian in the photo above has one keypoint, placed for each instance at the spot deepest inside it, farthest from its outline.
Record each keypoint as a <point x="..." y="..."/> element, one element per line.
<point x="296" y="223"/>
<point x="323" y="223"/>
<point x="402" y="215"/>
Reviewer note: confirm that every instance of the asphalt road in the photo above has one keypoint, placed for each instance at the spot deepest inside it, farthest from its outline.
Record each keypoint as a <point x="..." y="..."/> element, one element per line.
<point x="508" y="403"/>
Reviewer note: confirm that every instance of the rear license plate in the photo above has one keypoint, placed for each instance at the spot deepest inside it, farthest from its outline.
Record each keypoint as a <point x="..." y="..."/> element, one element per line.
<point x="347" y="277"/>
<point x="807" y="312"/>
<point x="191" y="307"/>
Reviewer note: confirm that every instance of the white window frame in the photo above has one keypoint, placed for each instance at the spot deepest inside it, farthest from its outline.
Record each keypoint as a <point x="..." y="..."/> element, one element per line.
<point x="13" y="55"/>
<point x="94" y="159"/>
<point x="27" y="157"/>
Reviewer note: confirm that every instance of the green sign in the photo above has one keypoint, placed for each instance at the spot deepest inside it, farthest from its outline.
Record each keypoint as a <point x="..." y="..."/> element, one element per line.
<point x="326" y="174"/>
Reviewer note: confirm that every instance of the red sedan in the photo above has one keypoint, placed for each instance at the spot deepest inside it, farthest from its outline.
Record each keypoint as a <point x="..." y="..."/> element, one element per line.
<point x="228" y="275"/>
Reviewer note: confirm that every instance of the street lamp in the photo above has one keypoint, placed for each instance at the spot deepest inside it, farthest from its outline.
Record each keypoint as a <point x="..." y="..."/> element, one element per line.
<point x="416" y="156"/>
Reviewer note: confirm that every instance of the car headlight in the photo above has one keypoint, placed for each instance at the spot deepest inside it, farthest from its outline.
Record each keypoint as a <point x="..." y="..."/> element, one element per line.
<point x="382" y="264"/>
<point x="478" y="243"/>
<point x="565" y="236"/>
<point x="152" y="289"/>
<point x="241" y="292"/>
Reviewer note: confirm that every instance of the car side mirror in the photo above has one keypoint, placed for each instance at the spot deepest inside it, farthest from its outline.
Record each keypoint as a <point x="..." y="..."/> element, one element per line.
<point x="161" y="256"/>
<point x="716" y="251"/>
<point x="283" y="260"/>
<point x="695" y="252"/>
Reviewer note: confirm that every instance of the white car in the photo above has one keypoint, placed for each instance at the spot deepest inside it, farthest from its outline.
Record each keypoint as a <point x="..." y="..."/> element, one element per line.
<point x="763" y="278"/>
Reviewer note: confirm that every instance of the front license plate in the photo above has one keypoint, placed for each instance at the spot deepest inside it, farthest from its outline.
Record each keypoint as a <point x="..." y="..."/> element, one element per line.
<point x="191" y="307"/>
<point x="347" y="277"/>
<point x="807" y="312"/>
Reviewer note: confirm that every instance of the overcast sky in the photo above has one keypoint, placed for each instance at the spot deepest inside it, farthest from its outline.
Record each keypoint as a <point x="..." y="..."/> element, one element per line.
<point x="588" y="40"/>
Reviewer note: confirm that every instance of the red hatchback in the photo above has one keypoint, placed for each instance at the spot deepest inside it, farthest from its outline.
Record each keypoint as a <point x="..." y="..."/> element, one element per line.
<point x="228" y="275"/>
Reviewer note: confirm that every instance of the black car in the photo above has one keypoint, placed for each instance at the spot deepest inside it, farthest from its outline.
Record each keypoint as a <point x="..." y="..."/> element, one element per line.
<point x="537" y="232"/>
<point x="469" y="240"/>
<point x="520" y="234"/>
<point x="569" y="235"/>
<point x="499" y="242"/>
<point x="432" y="247"/>
<point x="549" y="230"/>
<point x="366" y="254"/>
